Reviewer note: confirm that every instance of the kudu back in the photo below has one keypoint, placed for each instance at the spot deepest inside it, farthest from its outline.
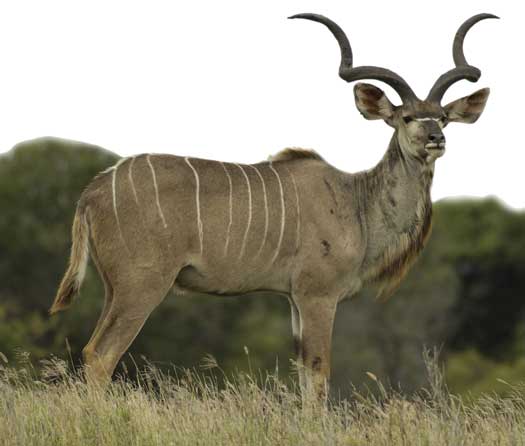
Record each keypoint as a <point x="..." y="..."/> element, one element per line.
<point x="293" y="225"/>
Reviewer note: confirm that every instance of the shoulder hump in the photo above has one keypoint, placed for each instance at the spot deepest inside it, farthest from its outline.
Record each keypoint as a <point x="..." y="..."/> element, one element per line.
<point x="293" y="153"/>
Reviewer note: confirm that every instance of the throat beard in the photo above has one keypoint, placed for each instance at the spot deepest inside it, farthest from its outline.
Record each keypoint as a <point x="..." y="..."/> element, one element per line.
<point x="401" y="255"/>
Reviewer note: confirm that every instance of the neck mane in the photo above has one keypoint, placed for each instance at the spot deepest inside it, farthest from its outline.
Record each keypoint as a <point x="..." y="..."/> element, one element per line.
<point x="395" y="203"/>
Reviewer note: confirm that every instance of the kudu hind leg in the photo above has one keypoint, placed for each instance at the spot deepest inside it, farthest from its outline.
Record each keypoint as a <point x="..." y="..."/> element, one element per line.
<point x="89" y="349"/>
<point x="129" y="310"/>
<point x="108" y="299"/>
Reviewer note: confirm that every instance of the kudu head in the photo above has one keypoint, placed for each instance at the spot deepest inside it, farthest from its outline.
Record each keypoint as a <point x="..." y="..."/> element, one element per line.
<point x="419" y="123"/>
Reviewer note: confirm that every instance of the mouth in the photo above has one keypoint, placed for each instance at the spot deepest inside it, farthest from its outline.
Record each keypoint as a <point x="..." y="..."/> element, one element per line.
<point x="434" y="151"/>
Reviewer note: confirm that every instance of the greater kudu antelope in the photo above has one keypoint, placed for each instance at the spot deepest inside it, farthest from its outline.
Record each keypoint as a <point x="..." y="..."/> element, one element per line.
<point x="294" y="225"/>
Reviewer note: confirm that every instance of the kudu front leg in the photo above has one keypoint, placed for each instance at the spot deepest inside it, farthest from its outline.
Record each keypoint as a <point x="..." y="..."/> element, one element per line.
<point x="297" y="343"/>
<point x="316" y="322"/>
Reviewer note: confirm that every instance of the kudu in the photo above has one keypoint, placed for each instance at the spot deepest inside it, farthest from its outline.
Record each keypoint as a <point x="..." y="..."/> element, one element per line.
<point x="294" y="225"/>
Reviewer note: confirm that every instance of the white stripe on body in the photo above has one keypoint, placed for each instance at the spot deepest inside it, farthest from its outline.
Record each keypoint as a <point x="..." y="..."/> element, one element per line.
<point x="147" y="233"/>
<point x="243" y="247"/>
<point x="114" y="194"/>
<point x="115" y="166"/>
<point x="298" y="208"/>
<point x="130" y="177"/>
<point x="283" y="215"/>
<point x="231" y="209"/>
<point x="197" y="200"/>
<point x="265" y="211"/>
<point x="156" y="191"/>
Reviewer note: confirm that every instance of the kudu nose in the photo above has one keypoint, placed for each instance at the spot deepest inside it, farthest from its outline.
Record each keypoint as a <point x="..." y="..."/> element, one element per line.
<point x="436" y="138"/>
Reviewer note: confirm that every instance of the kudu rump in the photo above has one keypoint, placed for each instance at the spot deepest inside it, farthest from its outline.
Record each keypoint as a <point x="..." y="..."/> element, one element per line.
<point x="293" y="225"/>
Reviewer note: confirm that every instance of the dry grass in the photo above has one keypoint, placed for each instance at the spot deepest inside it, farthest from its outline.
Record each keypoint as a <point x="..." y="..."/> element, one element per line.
<point x="39" y="409"/>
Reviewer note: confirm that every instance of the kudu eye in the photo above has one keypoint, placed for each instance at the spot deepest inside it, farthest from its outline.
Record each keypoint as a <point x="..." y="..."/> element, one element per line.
<point x="407" y="119"/>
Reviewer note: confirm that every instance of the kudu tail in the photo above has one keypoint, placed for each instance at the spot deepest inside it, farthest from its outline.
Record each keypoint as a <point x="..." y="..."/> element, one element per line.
<point x="76" y="270"/>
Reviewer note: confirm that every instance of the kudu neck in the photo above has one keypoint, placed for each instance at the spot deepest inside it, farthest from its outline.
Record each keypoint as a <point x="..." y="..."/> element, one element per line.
<point x="397" y="209"/>
<point x="398" y="173"/>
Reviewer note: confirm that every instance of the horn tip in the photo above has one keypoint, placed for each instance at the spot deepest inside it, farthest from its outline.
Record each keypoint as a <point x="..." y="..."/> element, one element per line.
<point x="486" y="15"/>
<point x="304" y="15"/>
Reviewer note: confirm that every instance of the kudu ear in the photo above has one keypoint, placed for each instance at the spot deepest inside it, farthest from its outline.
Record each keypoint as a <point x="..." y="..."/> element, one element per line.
<point x="469" y="108"/>
<point x="372" y="102"/>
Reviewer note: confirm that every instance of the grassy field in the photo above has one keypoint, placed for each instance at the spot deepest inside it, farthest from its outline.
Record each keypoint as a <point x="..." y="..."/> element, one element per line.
<point x="54" y="407"/>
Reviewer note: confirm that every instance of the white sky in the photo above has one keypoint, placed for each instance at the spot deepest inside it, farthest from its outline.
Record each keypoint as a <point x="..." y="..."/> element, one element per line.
<point x="236" y="81"/>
